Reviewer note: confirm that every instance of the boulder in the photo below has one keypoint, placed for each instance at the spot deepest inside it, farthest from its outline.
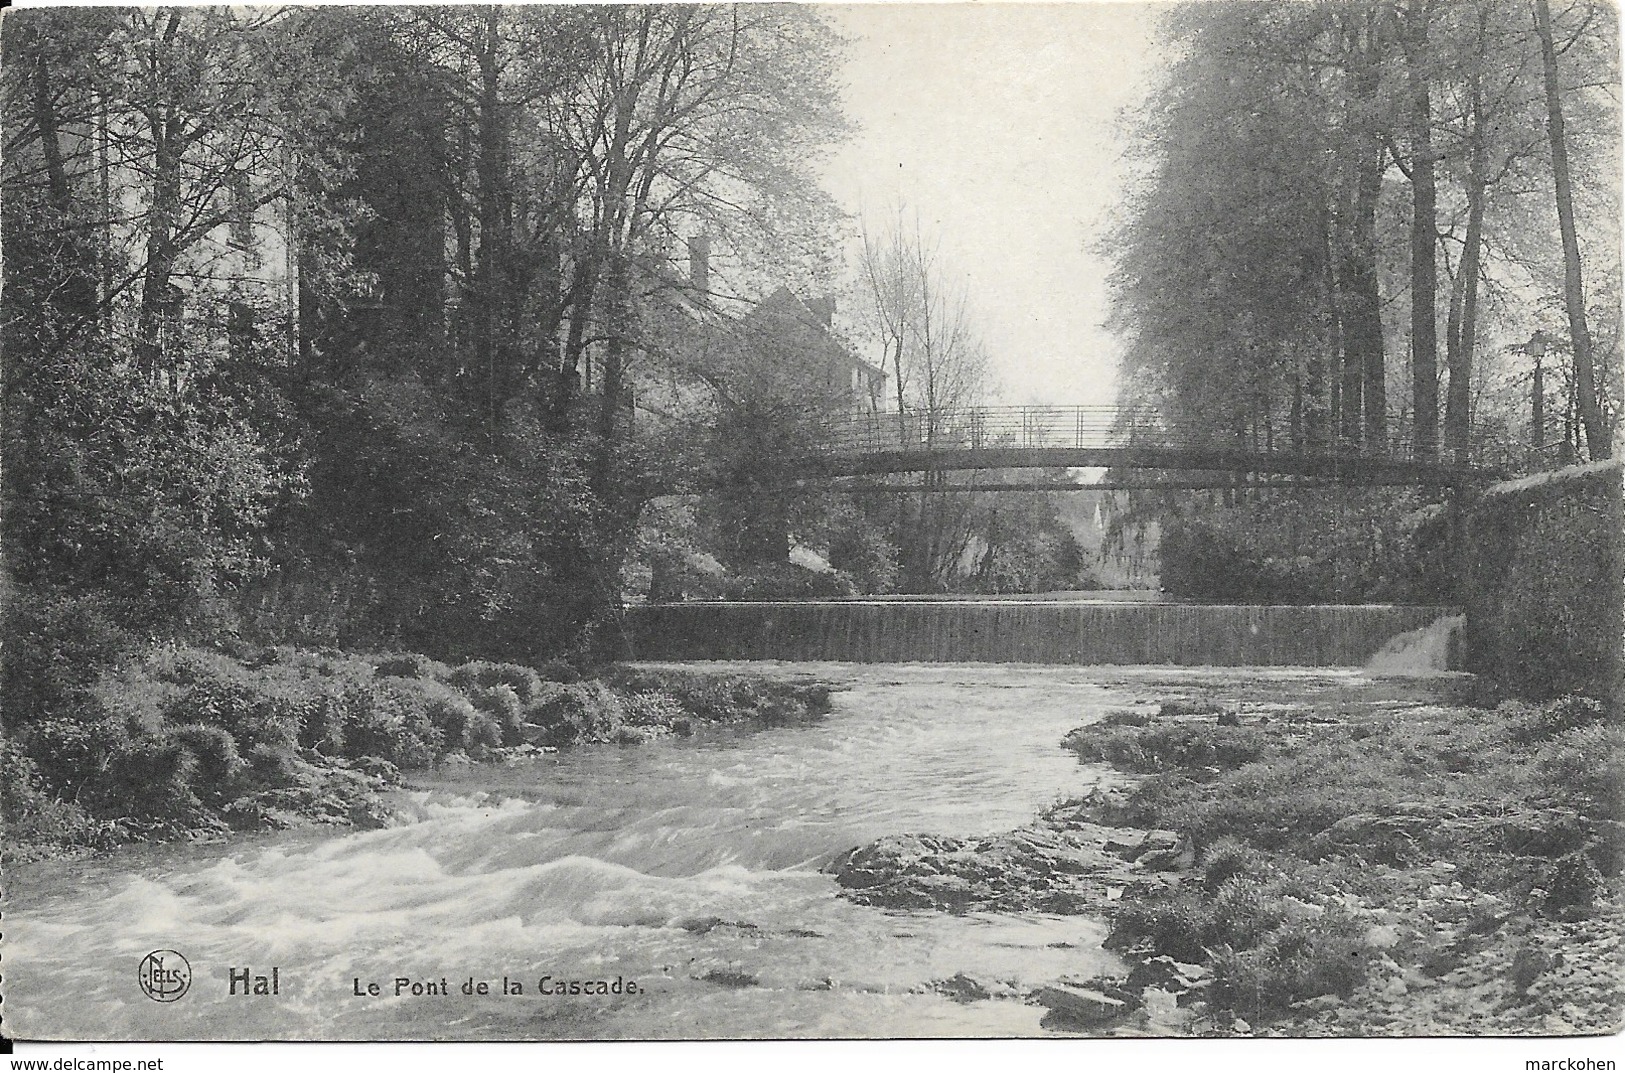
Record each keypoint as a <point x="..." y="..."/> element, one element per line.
<point x="1378" y="839"/>
<point x="729" y="978"/>
<point x="1528" y="964"/>
<point x="1166" y="974"/>
<point x="1550" y="832"/>
<point x="962" y="987"/>
<point x="1178" y="857"/>
<point x="1046" y="867"/>
<point x="1083" y="1006"/>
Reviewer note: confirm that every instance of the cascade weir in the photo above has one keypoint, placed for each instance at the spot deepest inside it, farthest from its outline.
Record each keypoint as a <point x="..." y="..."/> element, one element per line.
<point x="992" y="631"/>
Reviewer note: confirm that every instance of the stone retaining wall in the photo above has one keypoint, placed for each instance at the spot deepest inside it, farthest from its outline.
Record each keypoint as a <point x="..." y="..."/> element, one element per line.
<point x="1544" y="583"/>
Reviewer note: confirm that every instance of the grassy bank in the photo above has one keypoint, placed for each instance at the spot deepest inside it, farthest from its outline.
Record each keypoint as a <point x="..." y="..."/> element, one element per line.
<point x="192" y="743"/>
<point x="1362" y="868"/>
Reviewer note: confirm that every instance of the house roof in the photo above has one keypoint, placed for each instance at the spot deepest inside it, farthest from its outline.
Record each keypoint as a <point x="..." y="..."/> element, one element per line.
<point x="814" y="319"/>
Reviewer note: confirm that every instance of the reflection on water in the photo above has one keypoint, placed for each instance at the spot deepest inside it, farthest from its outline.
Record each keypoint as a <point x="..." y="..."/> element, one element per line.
<point x="689" y="868"/>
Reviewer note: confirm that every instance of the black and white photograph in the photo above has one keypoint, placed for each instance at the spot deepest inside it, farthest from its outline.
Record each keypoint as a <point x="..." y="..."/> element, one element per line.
<point x="1085" y="522"/>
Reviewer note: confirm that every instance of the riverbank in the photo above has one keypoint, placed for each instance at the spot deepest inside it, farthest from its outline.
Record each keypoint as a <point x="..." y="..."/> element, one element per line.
<point x="1361" y="864"/>
<point x="190" y="744"/>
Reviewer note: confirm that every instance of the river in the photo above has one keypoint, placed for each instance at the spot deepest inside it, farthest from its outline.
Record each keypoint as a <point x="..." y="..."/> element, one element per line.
<point x="690" y="868"/>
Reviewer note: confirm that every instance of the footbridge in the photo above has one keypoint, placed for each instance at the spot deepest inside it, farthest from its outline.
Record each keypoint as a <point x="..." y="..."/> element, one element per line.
<point x="1055" y="437"/>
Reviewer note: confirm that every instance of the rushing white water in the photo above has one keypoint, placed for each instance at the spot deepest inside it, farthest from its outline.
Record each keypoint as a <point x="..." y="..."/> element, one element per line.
<point x="689" y="867"/>
<point x="1428" y="650"/>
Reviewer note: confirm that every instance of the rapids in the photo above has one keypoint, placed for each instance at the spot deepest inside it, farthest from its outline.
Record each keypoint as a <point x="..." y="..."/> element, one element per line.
<point x="691" y="868"/>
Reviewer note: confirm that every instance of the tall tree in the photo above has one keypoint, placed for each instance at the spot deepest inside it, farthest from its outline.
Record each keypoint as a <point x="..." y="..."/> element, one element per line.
<point x="1422" y="173"/>
<point x="1363" y="397"/>
<point x="1596" y="431"/>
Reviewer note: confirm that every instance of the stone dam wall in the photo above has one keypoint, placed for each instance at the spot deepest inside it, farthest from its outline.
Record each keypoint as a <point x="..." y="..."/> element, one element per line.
<point x="1023" y="632"/>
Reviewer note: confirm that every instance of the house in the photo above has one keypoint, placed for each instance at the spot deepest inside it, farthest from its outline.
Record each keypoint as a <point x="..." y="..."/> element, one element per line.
<point x="791" y="329"/>
<point x="782" y="346"/>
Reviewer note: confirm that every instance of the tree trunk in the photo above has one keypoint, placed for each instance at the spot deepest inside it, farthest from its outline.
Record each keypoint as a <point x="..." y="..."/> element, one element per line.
<point x="1362" y="329"/>
<point x="617" y="313"/>
<point x="1458" y="419"/>
<point x="104" y="173"/>
<point x="492" y="261"/>
<point x="583" y="285"/>
<point x="161" y="251"/>
<point x="1452" y="360"/>
<point x="1364" y="392"/>
<point x="1345" y="387"/>
<point x="75" y="297"/>
<point x="1424" y="237"/>
<point x="1309" y="378"/>
<point x="1596" y="431"/>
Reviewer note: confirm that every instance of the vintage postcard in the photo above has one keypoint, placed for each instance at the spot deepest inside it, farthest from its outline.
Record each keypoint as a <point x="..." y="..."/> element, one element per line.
<point x="812" y="521"/>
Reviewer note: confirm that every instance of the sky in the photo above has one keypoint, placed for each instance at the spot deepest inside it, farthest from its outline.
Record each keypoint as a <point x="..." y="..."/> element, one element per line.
<point x="998" y="125"/>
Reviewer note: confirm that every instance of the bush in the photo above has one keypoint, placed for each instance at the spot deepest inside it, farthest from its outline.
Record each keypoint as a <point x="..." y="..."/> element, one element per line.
<point x="1293" y="962"/>
<point x="151" y="779"/>
<point x="1573" y="885"/>
<point x="787" y="581"/>
<point x="1244" y="910"/>
<point x="1171" y="709"/>
<point x="1124" y="717"/>
<point x="483" y="731"/>
<point x="1261" y="808"/>
<point x="1114" y="744"/>
<point x="1586" y="766"/>
<point x="504" y="707"/>
<point x="557" y="670"/>
<point x="578" y="712"/>
<point x="69" y="752"/>
<point x="653" y="709"/>
<point x="322" y="727"/>
<point x="1228" y="858"/>
<point x="34" y="822"/>
<point x="411" y="665"/>
<point x="134" y="696"/>
<point x="252" y="706"/>
<point x="54" y="649"/>
<point x="390" y="720"/>
<point x="270" y="767"/>
<point x="1573" y="712"/>
<point x="1166" y="746"/>
<point x="217" y="767"/>
<point x="481" y="674"/>
<point x="454" y="717"/>
<point x="713" y="698"/>
<point x="1175" y="924"/>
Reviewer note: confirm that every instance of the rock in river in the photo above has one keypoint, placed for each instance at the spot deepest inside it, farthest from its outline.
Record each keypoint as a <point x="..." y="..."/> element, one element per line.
<point x="1058" y="865"/>
<point x="1083" y="1006"/>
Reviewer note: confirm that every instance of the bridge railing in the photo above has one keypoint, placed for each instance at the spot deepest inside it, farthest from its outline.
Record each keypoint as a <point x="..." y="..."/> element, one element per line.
<point x="1029" y="427"/>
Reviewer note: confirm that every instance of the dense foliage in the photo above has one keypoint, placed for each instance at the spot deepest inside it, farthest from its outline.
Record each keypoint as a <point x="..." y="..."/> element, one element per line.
<point x="328" y="324"/>
<point x="336" y="327"/>
<point x="1344" y="235"/>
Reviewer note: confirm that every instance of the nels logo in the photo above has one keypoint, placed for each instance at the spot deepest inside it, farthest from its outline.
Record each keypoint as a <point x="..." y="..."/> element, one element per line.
<point x="164" y="975"/>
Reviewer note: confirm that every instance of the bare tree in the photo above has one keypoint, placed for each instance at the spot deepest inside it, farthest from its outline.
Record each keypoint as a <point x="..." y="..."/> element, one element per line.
<point x="939" y="367"/>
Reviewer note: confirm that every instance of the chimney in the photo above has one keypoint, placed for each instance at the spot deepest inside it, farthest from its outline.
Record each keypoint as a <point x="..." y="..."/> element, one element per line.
<point x="699" y="263"/>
